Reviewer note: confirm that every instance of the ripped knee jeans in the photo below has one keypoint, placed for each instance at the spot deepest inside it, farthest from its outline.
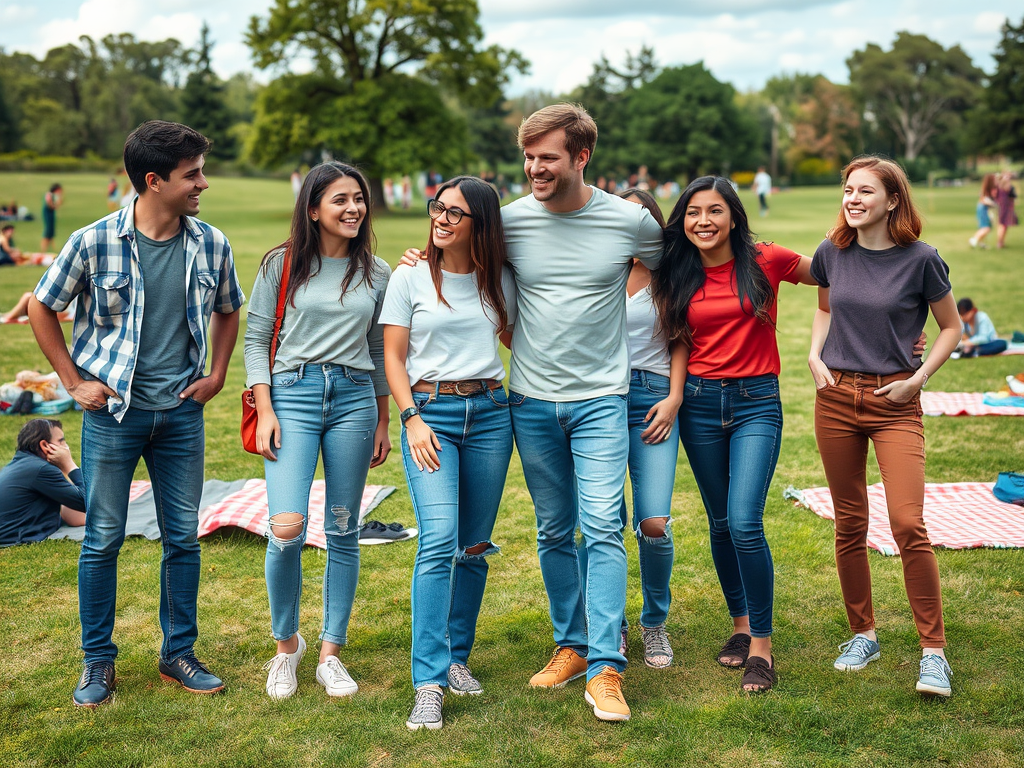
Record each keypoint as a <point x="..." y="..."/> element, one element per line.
<point x="331" y="410"/>
<point x="455" y="507"/>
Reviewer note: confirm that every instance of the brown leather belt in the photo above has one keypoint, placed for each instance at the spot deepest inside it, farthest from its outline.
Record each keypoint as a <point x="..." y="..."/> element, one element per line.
<point x="461" y="388"/>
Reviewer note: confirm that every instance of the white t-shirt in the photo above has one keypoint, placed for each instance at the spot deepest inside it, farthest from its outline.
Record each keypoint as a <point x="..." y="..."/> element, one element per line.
<point x="451" y="343"/>
<point x="647" y="348"/>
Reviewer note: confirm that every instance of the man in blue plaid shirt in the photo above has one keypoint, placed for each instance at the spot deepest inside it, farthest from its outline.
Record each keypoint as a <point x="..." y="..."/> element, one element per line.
<point x="149" y="278"/>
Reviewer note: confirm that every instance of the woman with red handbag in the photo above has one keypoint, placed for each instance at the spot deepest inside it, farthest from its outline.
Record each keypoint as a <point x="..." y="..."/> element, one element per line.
<point x="323" y="392"/>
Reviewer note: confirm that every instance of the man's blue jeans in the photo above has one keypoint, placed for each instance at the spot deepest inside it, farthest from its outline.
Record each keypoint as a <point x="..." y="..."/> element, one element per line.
<point x="585" y="439"/>
<point x="172" y="444"/>
<point x="331" y="410"/>
<point x="455" y="508"/>
<point x="731" y="430"/>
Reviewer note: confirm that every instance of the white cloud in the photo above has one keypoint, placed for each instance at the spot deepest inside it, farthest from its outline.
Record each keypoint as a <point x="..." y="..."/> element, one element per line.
<point x="989" y="22"/>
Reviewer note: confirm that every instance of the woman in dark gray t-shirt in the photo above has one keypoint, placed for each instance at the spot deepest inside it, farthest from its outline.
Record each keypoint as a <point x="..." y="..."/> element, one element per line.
<point x="877" y="283"/>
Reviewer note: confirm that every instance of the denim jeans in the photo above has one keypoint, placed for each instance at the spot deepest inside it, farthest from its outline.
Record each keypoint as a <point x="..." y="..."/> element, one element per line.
<point x="171" y="442"/>
<point x="455" y="508"/>
<point x="582" y="439"/>
<point x="331" y="410"/>
<point x="731" y="430"/>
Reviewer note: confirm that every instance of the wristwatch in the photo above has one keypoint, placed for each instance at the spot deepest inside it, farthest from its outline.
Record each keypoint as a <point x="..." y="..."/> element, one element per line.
<point x="408" y="413"/>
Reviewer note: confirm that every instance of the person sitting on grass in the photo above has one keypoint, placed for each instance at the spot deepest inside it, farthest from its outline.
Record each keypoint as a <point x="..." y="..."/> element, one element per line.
<point x="9" y="255"/>
<point x="979" y="334"/>
<point x="41" y="487"/>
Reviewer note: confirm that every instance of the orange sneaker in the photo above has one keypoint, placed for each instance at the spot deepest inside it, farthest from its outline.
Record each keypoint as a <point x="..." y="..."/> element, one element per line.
<point x="604" y="694"/>
<point x="565" y="665"/>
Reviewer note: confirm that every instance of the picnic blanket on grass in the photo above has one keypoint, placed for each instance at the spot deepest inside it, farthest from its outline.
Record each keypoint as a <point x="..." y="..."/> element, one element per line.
<point x="964" y="404"/>
<point x="957" y="515"/>
<point x="239" y="503"/>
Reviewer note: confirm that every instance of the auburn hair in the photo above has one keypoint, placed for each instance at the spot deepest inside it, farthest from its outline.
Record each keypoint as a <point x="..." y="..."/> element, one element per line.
<point x="904" y="223"/>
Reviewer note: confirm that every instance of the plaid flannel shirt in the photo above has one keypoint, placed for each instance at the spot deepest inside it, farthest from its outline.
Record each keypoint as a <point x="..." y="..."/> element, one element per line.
<point x="101" y="262"/>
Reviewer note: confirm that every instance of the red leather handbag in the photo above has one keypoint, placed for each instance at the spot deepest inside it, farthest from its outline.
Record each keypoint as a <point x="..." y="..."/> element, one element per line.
<point x="249" y="415"/>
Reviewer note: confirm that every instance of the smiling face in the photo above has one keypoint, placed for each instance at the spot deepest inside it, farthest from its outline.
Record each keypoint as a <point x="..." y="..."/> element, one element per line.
<point x="708" y="222"/>
<point x="180" y="191"/>
<point x="448" y="236"/>
<point x="340" y="212"/>
<point x="553" y="173"/>
<point x="866" y="204"/>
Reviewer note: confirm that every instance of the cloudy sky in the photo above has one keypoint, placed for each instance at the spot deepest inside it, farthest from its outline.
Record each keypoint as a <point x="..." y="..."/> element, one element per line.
<point x="743" y="42"/>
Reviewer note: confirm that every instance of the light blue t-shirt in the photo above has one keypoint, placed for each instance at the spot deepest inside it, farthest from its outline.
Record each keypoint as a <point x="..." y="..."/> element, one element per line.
<point x="569" y="341"/>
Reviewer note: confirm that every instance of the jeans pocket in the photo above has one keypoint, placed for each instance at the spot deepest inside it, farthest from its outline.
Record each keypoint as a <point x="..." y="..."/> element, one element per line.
<point x="422" y="400"/>
<point x="761" y="390"/>
<point x="498" y="397"/>
<point x="362" y="378"/>
<point x="284" y="379"/>
<point x="515" y="399"/>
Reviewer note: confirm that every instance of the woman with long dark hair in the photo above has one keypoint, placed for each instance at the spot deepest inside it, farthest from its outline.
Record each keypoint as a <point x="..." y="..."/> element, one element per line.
<point x="326" y="395"/>
<point x="715" y="291"/>
<point x="441" y="333"/>
<point x="877" y="283"/>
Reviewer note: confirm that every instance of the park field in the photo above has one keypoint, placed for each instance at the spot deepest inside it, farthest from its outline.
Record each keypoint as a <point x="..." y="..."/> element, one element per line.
<point x="691" y="714"/>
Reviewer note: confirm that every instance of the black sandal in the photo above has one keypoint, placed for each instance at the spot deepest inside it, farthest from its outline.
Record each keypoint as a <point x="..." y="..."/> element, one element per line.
<point x="759" y="673"/>
<point x="737" y="646"/>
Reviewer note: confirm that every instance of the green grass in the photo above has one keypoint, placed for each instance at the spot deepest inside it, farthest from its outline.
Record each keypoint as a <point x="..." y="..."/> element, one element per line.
<point x="691" y="714"/>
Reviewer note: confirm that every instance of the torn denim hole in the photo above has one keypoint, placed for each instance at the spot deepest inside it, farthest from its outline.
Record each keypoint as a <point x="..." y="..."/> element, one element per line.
<point x="667" y="537"/>
<point x="341" y="516"/>
<point x="490" y="549"/>
<point x="294" y="526"/>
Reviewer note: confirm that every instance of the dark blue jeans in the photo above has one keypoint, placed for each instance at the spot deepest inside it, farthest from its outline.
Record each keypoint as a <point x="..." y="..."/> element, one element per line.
<point x="731" y="430"/>
<point x="172" y="444"/>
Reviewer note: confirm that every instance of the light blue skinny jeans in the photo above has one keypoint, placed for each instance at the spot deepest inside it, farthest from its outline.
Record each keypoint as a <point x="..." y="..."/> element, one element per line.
<point x="455" y="507"/>
<point x="329" y="409"/>
<point x="558" y="441"/>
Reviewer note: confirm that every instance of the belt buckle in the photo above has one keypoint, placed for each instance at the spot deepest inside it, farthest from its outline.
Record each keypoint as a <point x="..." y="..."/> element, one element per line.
<point x="458" y="388"/>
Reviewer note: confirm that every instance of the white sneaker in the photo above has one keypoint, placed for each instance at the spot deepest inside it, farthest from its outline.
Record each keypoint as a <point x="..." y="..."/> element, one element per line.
<point x="333" y="676"/>
<point x="282" y="681"/>
<point x="973" y="242"/>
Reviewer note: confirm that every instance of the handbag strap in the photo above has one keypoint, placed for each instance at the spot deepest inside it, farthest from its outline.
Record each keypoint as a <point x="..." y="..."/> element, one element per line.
<point x="282" y="297"/>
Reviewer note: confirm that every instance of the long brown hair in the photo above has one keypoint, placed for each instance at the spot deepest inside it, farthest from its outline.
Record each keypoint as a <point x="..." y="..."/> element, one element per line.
<point x="304" y="240"/>
<point x="904" y="224"/>
<point x="486" y="244"/>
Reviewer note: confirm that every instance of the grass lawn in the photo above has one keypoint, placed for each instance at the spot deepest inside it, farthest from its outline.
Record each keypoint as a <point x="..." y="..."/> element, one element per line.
<point x="690" y="714"/>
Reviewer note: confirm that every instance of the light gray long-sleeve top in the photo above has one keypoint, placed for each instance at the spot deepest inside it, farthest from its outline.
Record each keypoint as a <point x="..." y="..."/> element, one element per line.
<point x="322" y="326"/>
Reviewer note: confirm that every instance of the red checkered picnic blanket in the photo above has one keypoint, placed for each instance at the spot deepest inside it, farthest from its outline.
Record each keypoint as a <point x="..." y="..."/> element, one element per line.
<point x="247" y="509"/>
<point x="138" y="488"/>
<point x="963" y="404"/>
<point x="957" y="515"/>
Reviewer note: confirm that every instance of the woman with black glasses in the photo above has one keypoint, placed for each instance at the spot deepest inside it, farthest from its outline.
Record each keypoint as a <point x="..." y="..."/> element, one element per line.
<point x="442" y="327"/>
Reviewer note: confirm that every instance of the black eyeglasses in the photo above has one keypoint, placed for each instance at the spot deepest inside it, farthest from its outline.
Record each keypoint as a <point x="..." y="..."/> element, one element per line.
<point x="451" y="215"/>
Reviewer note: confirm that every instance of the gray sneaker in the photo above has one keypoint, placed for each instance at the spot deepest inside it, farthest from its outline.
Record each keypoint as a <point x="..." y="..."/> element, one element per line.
<point x="461" y="681"/>
<point x="935" y="675"/>
<point x="657" y="649"/>
<point x="857" y="653"/>
<point x="426" y="710"/>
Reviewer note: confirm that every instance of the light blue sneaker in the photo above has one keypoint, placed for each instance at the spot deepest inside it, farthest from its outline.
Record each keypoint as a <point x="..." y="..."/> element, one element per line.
<point x="934" y="677"/>
<point x="857" y="653"/>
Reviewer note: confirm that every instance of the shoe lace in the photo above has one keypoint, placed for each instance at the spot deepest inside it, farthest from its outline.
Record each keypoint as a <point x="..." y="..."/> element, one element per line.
<point x="277" y="664"/>
<point x="191" y="664"/>
<point x="96" y="672"/>
<point x="858" y="646"/>
<point x="396" y="527"/>
<point x="560" y="658"/>
<point x="656" y="641"/>
<point x="461" y="675"/>
<point x="608" y="684"/>
<point x="374" y="525"/>
<point x="336" y="671"/>
<point x="933" y="665"/>
<point x="427" y="705"/>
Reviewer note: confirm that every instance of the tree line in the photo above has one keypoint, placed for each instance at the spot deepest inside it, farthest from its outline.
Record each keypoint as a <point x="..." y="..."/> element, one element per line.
<point x="396" y="87"/>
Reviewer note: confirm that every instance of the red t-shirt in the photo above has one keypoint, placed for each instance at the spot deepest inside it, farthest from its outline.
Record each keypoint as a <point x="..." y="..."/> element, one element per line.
<point x="728" y="341"/>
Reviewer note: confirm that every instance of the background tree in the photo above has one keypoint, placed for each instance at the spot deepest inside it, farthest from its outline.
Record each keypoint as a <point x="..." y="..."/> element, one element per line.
<point x="374" y="95"/>
<point x="998" y="123"/>
<point x="204" y="104"/>
<point x="685" y="122"/>
<point x="916" y="91"/>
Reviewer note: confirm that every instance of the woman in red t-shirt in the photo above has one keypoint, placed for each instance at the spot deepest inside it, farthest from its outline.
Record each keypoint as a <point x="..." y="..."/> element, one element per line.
<point x="715" y="291"/>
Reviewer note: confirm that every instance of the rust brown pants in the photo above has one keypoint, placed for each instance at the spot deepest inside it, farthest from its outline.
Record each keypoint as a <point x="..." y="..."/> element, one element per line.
<point x="846" y="416"/>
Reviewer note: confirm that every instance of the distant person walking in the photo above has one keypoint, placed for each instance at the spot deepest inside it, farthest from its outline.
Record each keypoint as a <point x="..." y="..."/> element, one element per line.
<point x="763" y="188"/>
<point x="986" y="201"/>
<point x="52" y="200"/>
<point x="1006" y="201"/>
